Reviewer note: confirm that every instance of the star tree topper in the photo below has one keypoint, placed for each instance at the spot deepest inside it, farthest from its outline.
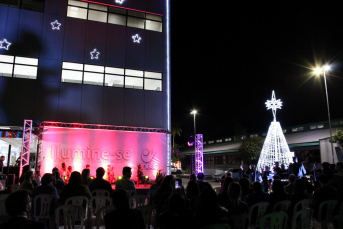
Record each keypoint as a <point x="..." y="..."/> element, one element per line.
<point x="94" y="54"/>
<point x="273" y="104"/>
<point x="55" y="25"/>
<point x="4" y="44"/>
<point x="120" y="1"/>
<point x="136" y="39"/>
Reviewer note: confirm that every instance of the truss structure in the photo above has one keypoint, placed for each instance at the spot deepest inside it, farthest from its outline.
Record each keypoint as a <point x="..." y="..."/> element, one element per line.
<point x="25" y="149"/>
<point x="104" y="127"/>
<point x="39" y="148"/>
<point x="168" y="153"/>
<point x="199" y="154"/>
<point x="275" y="148"/>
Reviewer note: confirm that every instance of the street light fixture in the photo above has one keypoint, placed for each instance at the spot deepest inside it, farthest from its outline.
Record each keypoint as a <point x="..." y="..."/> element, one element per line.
<point x="318" y="71"/>
<point x="194" y="112"/>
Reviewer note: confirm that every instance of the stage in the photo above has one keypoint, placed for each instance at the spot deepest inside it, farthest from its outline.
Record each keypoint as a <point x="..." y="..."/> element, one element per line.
<point x="140" y="189"/>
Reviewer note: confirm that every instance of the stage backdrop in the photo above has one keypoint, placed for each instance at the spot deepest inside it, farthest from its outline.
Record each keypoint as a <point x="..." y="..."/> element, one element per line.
<point x="79" y="147"/>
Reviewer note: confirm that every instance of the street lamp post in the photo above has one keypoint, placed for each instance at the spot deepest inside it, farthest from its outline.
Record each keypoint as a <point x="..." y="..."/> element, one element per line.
<point x="324" y="70"/>
<point x="192" y="162"/>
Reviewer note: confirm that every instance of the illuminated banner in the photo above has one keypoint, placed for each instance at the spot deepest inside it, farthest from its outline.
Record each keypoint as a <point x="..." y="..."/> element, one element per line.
<point x="100" y="148"/>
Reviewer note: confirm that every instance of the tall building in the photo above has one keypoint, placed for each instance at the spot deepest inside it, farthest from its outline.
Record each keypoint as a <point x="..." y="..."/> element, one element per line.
<point x="78" y="61"/>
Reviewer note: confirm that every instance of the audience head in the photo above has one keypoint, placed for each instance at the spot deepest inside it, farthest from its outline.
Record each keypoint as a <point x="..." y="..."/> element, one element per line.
<point x="326" y="165"/>
<point x="200" y="176"/>
<point x="18" y="203"/>
<point x="276" y="164"/>
<point x="26" y="168"/>
<point x="165" y="184"/>
<point x="192" y="177"/>
<point x="295" y="159"/>
<point x="120" y="199"/>
<point x="55" y="170"/>
<point x="228" y="174"/>
<point x="339" y="166"/>
<point x="47" y="179"/>
<point x="192" y="188"/>
<point x="323" y="179"/>
<point x="244" y="183"/>
<point x="100" y="172"/>
<point x="86" y="173"/>
<point x="226" y="184"/>
<point x="75" y="178"/>
<point x="291" y="178"/>
<point x="299" y="188"/>
<point x="278" y="187"/>
<point x="127" y="173"/>
<point x="177" y="203"/>
<point x="208" y="199"/>
<point x="28" y="176"/>
<point x="257" y="186"/>
<point x="282" y="166"/>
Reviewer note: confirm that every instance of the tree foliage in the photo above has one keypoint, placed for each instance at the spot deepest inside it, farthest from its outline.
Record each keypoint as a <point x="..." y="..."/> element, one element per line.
<point x="338" y="138"/>
<point x="176" y="155"/>
<point x="250" y="149"/>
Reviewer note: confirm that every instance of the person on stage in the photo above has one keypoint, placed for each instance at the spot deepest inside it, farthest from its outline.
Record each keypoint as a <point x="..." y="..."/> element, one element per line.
<point x="126" y="183"/>
<point x="296" y="168"/>
<point x="140" y="176"/>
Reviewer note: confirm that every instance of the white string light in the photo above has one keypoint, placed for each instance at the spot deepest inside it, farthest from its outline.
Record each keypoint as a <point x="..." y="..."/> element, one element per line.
<point x="136" y="39"/>
<point x="56" y="25"/>
<point x="95" y="54"/>
<point x="120" y="1"/>
<point x="5" y="44"/>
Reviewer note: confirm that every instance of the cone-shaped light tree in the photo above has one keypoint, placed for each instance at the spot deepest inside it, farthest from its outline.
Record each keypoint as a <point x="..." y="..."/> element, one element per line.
<point x="275" y="147"/>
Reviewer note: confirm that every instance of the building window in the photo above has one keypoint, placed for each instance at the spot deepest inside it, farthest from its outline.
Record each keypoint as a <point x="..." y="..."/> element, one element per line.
<point x="228" y="139"/>
<point x="110" y="76"/>
<point x="19" y="67"/>
<point x="208" y="160"/>
<point x="113" y="15"/>
<point x="218" y="160"/>
<point x="34" y="5"/>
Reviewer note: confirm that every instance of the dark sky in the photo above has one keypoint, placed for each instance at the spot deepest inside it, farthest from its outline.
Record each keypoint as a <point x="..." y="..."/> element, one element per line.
<point x="228" y="56"/>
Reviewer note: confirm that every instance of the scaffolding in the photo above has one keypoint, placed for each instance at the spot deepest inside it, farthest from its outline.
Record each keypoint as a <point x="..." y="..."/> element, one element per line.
<point x="25" y="150"/>
<point x="199" y="155"/>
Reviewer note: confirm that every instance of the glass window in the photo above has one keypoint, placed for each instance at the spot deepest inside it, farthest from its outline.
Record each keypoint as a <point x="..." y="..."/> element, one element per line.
<point x="28" y="72"/>
<point x="133" y="82"/>
<point x="154" y="75"/>
<point x="135" y="22"/>
<point x="74" y="66"/>
<point x="27" y="61"/>
<point x="71" y="76"/>
<point x="131" y="72"/>
<point x="6" y="69"/>
<point x="110" y="70"/>
<point x="114" y="81"/>
<point x="153" y="25"/>
<point x="93" y="78"/>
<point x="77" y="3"/>
<point x="136" y="14"/>
<point x="7" y="59"/>
<point x="97" y="7"/>
<point x="153" y="17"/>
<point x="117" y="19"/>
<point x="116" y="10"/>
<point x="94" y="15"/>
<point x="77" y="12"/>
<point x="153" y="85"/>
<point x="94" y="68"/>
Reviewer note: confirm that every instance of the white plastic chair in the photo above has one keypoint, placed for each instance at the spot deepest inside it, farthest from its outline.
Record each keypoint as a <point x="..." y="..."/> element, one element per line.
<point x="69" y="215"/>
<point x="99" y="222"/>
<point x="329" y="207"/>
<point x="4" y="217"/>
<point x="241" y="221"/>
<point x="81" y="201"/>
<point x="101" y="192"/>
<point x="43" y="205"/>
<point x="97" y="202"/>
<point x="302" y="219"/>
<point x="137" y="201"/>
<point x="131" y="193"/>
<point x="258" y="209"/>
<point x="147" y="211"/>
<point x="276" y="220"/>
<point x="305" y="203"/>
<point x="217" y="189"/>
<point x="339" y="218"/>
<point x="282" y="205"/>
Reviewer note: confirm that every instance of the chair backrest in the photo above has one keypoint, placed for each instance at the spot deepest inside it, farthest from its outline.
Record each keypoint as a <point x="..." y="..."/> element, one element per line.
<point x="277" y="220"/>
<point x="138" y="200"/>
<point x="81" y="201"/>
<point x="101" y="192"/>
<point x="43" y="206"/>
<point x="256" y="211"/>
<point x="326" y="210"/>
<point x="217" y="189"/>
<point x="302" y="219"/>
<point x="302" y="204"/>
<point x="100" y="215"/>
<point x="4" y="196"/>
<point x="241" y="221"/>
<point x="3" y="207"/>
<point x="69" y="215"/>
<point x="147" y="211"/>
<point x="131" y="192"/>
<point x="97" y="202"/>
<point x="282" y="206"/>
<point x="15" y="187"/>
<point x="217" y="226"/>
<point x="150" y="195"/>
<point x="339" y="218"/>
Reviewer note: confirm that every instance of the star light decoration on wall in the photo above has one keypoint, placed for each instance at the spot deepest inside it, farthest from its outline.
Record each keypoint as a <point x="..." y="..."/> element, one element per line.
<point x="4" y="44"/>
<point x="136" y="39"/>
<point x="55" y="25"/>
<point x="95" y="54"/>
<point x="273" y="104"/>
<point x="120" y="1"/>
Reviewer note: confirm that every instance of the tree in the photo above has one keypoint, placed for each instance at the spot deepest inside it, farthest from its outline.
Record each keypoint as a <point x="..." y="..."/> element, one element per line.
<point x="176" y="130"/>
<point x="250" y="149"/>
<point x="176" y="155"/>
<point x="338" y="138"/>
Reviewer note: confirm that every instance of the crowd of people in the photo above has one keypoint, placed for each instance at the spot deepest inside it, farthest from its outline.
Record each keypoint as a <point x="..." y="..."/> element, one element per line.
<point x="195" y="206"/>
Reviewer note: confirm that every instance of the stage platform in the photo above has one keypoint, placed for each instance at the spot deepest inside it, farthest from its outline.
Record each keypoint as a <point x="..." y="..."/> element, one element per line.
<point x="140" y="189"/>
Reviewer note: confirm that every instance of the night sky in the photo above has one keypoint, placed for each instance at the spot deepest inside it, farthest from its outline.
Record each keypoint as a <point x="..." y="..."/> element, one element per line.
<point x="228" y="56"/>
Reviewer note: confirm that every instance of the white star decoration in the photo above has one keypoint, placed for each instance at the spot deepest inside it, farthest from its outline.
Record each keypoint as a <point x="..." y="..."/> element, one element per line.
<point x="55" y="25"/>
<point x="120" y="1"/>
<point x="4" y="44"/>
<point x="273" y="104"/>
<point x="95" y="54"/>
<point x="136" y="39"/>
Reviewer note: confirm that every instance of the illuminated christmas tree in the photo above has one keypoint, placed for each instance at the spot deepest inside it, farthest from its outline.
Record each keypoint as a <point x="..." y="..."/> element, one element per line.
<point x="275" y="147"/>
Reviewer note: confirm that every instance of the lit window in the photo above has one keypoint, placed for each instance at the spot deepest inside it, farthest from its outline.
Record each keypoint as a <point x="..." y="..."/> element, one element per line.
<point x="153" y="75"/>
<point x="72" y="66"/>
<point x="218" y="141"/>
<point x="6" y="69"/>
<point x="93" y="78"/>
<point x="94" y="68"/>
<point x="97" y="7"/>
<point x="77" y="12"/>
<point x="24" y="67"/>
<point x="210" y="142"/>
<point x="77" y="3"/>
<point x="26" y="61"/>
<point x="117" y="71"/>
<point x="6" y="59"/>
<point x="133" y="82"/>
<point x="114" y="81"/>
<point x="153" y="25"/>
<point x="117" y="19"/>
<point x="153" y="17"/>
<point x="135" y="22"/>
<point x="153" y="85"/>
<point x="136" y="14"/>
<point x="130" y="72"/>
<point x="313" y="127"/>
<point x="228" y="139"/>
<point x="27" y="72"/>
<point x="71" y="76"/>
<point x="320" y="126"/>
<point x="94" y="15"/>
